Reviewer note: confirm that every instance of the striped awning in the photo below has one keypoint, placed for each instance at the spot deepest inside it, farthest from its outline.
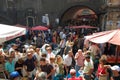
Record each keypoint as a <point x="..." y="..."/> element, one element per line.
<point x="112" y="36"/>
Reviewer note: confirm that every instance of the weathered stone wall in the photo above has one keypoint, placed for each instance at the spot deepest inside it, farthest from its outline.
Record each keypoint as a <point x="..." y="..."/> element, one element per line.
<point x="113" y="17"/>
<point x="54" y="8"/>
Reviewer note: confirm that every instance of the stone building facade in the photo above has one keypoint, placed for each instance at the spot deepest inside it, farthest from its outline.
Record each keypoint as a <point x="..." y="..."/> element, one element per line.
<point x="113" y="14"/>
<point x="59" y="12"/>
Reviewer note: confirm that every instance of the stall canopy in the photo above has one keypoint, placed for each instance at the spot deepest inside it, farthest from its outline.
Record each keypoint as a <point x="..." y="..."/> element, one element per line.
<point x="112" y="36"/>
<point x="39" y="28"/>
<point x="22" y="26"/>
<point x="8" y="32"/>
<point x="83" y="26"/>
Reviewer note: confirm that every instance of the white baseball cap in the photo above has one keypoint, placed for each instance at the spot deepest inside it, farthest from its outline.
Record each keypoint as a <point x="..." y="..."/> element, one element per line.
<point x="115" y="67"/>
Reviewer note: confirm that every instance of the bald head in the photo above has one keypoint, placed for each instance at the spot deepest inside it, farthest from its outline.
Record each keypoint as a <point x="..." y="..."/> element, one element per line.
<point x="79" y="51"/>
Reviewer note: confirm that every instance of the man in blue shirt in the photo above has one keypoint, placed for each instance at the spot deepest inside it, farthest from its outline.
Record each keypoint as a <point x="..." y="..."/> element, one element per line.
<point x="9" y="66"/>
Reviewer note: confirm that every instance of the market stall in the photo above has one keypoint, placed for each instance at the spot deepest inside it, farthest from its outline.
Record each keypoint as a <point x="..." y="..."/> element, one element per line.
<point x="112" y="37"/>
<point x="8" y="32"/>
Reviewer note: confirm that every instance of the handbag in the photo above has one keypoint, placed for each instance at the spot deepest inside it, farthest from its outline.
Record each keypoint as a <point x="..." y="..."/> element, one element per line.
<point x="102" y="77"/>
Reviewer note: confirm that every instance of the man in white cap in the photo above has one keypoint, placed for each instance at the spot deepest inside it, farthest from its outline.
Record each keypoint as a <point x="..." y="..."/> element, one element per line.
<point x="116" y="72"/>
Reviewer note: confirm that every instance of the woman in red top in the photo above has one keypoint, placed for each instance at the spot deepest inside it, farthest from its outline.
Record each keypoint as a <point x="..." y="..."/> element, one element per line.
<point x="102" y="70"/>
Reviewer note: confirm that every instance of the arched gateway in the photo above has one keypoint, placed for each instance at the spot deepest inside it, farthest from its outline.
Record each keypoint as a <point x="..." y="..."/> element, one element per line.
<point x="79" y="15"/>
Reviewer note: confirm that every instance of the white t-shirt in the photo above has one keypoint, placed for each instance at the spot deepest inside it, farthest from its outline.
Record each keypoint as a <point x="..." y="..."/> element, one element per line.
<point x="60" y="34"/>
<point x="38" y="56"/>
<point x="68" y="60"/>
<point x="10" y="50"/>
<point x="88" y="66"/>
<point x="62" y="43"/>
<point x="50" y="55"/>
<point x="18" y="56"/>
<point x="43" y="48"/>
<point x="64" y="36"/>
<point x="2" y="51"/>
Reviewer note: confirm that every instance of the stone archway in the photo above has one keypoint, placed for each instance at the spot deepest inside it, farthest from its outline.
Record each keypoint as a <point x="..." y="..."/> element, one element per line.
<point x="79" y="15"/>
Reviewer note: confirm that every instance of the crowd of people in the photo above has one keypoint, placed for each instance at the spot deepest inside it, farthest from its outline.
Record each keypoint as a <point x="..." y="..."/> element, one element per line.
<point x="80" y="59"/>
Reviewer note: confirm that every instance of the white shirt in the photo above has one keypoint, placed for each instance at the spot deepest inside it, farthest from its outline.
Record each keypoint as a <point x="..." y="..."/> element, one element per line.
<point x="64" y="36"/>
<point x="35" y="38"/>
<point x="38" y="56"/>
<point x="2" y="51"/>
<point x="94" y="49"/>
<point x="17" y="56"/>
<point x="50" y="55"/>
<point x="62" y="43"/>
<point x="10" y="50"/>
<point x="88" y="66"/>
<point x="61" y="33"/>
<point x="43" y="48"/>
<point x="68" y="60"/>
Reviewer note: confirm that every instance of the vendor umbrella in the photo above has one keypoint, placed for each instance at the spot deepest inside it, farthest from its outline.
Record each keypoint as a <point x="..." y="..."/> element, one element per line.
<point x="39" y="28"/>
<point x="112" y="36"/>
<point x="82" y="26"/>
